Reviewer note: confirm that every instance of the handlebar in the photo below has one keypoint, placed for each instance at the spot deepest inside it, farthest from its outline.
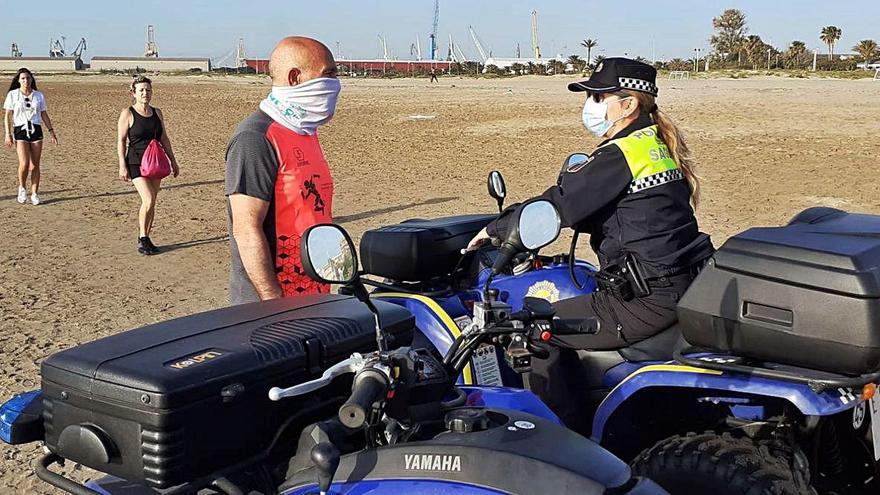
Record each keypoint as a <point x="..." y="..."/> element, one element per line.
<point x="369" y="386"/>
<point x="576" y="327"/>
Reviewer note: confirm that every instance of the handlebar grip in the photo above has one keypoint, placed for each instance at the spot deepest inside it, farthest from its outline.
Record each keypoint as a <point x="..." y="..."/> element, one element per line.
<point x="369" y="386"/>
<point x="582" y="326"/>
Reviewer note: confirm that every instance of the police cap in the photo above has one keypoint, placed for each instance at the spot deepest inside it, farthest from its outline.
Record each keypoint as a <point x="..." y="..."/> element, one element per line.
<point x="614" y="74"/>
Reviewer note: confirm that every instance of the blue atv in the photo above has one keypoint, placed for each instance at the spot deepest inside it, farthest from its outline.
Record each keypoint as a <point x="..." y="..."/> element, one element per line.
<point x="765" y="385"/>
<point x="261" y="399"/>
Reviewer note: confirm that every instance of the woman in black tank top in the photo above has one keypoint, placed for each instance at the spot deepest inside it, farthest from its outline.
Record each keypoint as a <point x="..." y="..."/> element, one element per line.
<point x="138" y="125"/>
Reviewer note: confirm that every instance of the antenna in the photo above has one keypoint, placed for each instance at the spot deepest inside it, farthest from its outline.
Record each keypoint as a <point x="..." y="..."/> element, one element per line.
<point x="535" y="47"/>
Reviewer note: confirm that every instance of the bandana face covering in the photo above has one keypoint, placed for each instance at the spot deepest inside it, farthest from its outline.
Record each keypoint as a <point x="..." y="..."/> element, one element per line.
<point x="304" y="107"/>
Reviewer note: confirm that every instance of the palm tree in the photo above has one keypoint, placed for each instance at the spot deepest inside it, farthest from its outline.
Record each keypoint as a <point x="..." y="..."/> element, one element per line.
<point x="830" y="35"/>
<point x="589" y="44"/>
<point x="867" y="49"/>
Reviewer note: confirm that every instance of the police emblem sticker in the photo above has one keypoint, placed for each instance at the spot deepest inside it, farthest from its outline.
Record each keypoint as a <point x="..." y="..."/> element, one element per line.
<point x="544" y="289"/>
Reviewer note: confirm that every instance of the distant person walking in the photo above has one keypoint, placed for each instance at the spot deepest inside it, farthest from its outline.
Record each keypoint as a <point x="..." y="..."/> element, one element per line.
<point x="434" y="76"/>
<point x="278" y="182"/>
<point x="25" y="114"/>
<point x="138" y="126"/>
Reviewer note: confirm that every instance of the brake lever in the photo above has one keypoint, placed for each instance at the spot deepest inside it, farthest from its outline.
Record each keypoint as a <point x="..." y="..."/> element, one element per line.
<point x="351" y="365"/>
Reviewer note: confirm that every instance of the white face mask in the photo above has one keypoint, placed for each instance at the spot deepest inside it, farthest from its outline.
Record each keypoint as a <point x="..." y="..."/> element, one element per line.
<point x="595" y="116"/>
<point x="304" y="107"/>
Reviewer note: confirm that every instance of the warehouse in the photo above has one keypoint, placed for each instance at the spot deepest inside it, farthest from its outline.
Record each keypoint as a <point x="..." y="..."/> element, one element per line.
<point x="41" y="64"/>
<point x="153" y="64"/>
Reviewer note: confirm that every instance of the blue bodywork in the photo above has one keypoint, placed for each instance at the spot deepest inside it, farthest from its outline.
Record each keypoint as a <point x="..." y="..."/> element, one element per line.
<point x="625" y="379"/>
<point x="553" y="281"/>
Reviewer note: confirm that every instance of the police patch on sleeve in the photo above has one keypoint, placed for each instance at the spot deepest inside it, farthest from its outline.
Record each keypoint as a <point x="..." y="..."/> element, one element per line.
<point x="544" y="289"/>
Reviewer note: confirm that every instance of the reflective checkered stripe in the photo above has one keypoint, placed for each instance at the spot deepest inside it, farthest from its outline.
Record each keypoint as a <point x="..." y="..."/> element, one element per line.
<point x="648" y="158"/>
<point x="655" y="180"/>
<point x="638" y="85"/>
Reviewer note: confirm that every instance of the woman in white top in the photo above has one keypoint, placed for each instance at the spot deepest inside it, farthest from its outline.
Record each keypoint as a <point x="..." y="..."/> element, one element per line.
<point x="25" y="112"/>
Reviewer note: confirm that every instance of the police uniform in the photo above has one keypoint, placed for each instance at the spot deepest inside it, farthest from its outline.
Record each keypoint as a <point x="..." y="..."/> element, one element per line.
<point x="633" y="200"/>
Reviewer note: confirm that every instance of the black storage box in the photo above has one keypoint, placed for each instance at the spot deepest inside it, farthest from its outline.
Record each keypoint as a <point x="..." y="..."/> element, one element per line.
<point x="419" y="250"/>
<point x="806" y="294"/>
<point x="179" y="400"/>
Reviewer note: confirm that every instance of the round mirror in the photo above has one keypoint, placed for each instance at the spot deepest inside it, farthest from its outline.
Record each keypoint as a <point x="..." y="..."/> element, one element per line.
<point x="497" y="188"/>
<point x="539" y="224"/>
<point x="328" y="255"/>
<point x="576" y="159"/>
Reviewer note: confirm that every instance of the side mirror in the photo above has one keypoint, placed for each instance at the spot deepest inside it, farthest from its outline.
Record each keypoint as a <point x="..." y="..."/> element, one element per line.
<point x="536" y="224"/>
<point x="497" y="188"/>
<point x="328" y="255"/>
<point x="574" y="161"/>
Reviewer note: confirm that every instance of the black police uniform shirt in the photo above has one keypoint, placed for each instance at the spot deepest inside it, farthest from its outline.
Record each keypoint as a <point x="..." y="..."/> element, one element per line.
<point x="656" y="224"/>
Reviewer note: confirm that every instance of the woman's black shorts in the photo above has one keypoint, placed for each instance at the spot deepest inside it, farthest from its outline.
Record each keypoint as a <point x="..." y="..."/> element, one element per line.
<point x="134" y="171"/>
<point x="20" y="133"/>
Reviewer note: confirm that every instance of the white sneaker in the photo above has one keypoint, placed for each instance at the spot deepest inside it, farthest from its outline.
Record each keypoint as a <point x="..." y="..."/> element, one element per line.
<point x="22" y="195"/>
<point x="35" y="200"/>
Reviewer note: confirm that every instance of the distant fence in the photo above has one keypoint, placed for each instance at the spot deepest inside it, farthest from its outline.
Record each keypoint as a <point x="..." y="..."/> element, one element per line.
<point x="679" y="74"/>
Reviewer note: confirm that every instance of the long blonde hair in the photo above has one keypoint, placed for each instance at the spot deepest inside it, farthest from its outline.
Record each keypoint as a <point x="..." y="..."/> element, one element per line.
<point x="674" y="139"/>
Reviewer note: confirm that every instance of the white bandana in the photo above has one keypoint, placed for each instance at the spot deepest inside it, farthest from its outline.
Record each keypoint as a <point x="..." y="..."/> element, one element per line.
<point x="304" y="107"/>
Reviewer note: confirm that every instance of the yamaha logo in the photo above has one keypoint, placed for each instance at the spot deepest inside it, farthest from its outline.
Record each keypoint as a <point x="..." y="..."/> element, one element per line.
<point x="432" y="462"/>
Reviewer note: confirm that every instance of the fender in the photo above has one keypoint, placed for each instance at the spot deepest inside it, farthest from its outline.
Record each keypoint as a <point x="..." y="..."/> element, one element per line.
<point x="434" y="321"/>
<point x="687" y="377"/>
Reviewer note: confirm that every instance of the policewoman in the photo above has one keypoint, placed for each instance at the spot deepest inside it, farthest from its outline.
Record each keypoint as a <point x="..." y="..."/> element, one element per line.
<point x="635" y="196"/>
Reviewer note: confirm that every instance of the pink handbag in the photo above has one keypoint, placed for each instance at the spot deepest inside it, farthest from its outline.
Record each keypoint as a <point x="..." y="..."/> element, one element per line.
<point x="155" y="163"/>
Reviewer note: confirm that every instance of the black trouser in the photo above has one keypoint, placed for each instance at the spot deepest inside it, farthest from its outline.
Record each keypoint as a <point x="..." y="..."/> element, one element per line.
<point x="622" y="323"/>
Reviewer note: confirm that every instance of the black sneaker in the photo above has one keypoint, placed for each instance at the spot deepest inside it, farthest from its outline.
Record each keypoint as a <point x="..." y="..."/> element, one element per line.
<point x="146" y="247"/>
<point x="150" y="246"/>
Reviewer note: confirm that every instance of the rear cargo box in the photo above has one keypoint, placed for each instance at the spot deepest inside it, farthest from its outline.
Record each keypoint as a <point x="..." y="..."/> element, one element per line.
<point x="419" y="250"/>
<point x="178" y="400"/>
<point x="806" y="294"/>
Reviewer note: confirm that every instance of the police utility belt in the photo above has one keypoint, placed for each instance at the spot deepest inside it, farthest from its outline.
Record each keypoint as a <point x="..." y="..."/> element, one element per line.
<point x="625" y="281"/>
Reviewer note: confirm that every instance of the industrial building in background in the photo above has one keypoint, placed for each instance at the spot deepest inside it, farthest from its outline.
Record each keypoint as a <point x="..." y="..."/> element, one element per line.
<point x="151" y="62"/>
<point x="58" y="60"/>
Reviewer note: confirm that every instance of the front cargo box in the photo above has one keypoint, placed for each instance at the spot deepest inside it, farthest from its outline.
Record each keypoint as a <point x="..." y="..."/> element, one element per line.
<point x="178" y="400"/>
<point x="806" y="294"/>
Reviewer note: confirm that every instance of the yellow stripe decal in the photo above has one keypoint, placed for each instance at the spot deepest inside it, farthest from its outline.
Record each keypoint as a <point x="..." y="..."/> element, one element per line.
<point x="445" y="319"/>
<point x="676" y="368"/>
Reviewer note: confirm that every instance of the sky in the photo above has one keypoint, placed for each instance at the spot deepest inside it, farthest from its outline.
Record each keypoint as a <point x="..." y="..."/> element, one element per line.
<point x="211" y="28"/>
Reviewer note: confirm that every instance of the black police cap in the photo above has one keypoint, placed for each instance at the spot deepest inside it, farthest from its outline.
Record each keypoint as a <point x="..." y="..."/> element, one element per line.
<point x="614" y="74"/>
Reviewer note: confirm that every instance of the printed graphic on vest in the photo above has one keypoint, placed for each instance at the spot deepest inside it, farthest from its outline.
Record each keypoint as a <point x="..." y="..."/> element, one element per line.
<point x="311" y="189"/>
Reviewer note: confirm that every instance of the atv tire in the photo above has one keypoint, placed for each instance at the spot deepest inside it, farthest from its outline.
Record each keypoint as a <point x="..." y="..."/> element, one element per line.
<point x="719" y="465"/>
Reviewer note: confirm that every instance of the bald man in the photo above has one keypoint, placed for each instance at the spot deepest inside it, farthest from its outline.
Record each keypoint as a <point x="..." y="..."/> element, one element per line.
<point x="278" y="182"/>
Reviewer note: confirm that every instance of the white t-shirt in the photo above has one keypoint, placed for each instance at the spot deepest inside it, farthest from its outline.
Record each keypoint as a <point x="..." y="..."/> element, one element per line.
<point x="25" y="108"/>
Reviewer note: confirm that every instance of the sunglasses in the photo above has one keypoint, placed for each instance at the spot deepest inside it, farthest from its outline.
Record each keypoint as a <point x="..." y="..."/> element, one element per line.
<point x="27" y="102"/>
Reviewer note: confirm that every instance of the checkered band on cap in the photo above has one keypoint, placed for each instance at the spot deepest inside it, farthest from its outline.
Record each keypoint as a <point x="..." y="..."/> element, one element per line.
<point x="638" y="85"/>
<point x="655" y="180"/>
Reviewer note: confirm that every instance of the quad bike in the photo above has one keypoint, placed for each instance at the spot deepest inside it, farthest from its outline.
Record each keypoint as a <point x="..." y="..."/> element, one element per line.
<point x="228" y="401"/>
<point x="767" y="384"/>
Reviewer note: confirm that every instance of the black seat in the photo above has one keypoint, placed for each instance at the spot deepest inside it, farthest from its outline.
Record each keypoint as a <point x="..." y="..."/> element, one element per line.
<point x="655" y="348"/>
